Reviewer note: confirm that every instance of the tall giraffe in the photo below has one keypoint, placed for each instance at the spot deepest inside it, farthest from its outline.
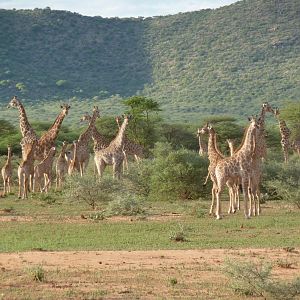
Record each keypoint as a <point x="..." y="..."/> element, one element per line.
<point x="285" y="135"/>
<point x="100" y="141"/>
<point x="83" y="153"/>
<point x="47" y="140"/>
<point x="237" y="166"/>
<point x="28" y="134"/>
<point x="6" y="172"/>
<point x="259" y="154"/>
<point x="130" y="147"/>
<point x="113" y="154"/>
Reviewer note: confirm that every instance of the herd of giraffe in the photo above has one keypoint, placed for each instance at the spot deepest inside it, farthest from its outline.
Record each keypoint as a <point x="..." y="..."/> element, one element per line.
<point x="33" y="177"/>
<point x="242" y="168"/>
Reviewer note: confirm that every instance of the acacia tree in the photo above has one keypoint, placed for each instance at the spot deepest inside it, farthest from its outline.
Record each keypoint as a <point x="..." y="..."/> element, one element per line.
<point x="142" y="126"/>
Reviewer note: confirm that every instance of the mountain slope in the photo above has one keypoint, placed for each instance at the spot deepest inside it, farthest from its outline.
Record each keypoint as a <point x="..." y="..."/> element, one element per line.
<point x="227" y="60"/>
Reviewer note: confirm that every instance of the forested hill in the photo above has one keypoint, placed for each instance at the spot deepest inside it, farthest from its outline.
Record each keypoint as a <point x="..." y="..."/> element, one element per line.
<point x="226" y="60"/>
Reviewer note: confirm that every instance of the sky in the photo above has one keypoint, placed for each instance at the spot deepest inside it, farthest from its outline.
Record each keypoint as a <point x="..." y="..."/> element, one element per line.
<point x="118" y="8"/>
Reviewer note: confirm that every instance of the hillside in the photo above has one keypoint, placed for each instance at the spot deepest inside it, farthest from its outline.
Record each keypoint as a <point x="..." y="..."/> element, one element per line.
<point x="226" y="60"/>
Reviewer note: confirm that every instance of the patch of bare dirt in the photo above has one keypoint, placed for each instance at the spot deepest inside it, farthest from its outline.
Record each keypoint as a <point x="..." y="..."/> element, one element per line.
<point x="175" y="274"/>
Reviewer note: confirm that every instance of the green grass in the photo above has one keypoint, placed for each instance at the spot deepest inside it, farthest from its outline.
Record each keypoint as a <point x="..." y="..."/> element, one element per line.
<point x="49" y="228"/>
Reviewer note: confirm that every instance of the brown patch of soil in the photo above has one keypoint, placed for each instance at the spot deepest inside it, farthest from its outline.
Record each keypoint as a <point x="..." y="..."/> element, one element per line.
<point x="191" y="274"/>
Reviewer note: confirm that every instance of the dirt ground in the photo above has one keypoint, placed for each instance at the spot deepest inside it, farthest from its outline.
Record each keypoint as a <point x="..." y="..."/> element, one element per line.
<point x="164" y="274"/>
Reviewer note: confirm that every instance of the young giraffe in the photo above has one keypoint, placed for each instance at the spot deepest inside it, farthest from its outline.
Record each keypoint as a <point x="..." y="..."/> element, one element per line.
<point x="130" y="147"/>
<point x="100" y="141"/>
<point x="285" y="135"/>
<point x="43" y="170"/>
<point x="214" y="156"/>
<point x="6" y="172"/>
<point x="236" y="188"/>
<point x="73" y="160"/>
<point x="83" y="153"/>
<point x="113" y="154"/>
<point x="295" y="145"/>
<point x="61" y="166"/>
<point x="47" y="140"/>
<point x="28" y="134"/>
<point x="26" y="170"/>
<point x="237" y="166"/>
<point x="203" y="148"/>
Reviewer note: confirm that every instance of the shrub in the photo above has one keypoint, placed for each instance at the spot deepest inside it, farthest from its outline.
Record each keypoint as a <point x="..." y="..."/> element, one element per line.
<point x="125" y="205"/>
<point x="37" y="273"/>
<point x="176" y="174"/>
<point x="282" y="181"/>
<point x="256" y="280"/>
<point x="90" y="190"/>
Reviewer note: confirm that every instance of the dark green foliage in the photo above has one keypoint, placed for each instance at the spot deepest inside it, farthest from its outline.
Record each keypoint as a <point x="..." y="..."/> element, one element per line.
<point x="227" y="60"/>
<point x="176" y="174"/>
<point x="282" y="181"/>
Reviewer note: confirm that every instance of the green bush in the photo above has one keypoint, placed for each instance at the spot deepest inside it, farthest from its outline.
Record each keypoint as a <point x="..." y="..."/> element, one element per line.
<point x="282" y="180"/>
<point x="176" y="174"/>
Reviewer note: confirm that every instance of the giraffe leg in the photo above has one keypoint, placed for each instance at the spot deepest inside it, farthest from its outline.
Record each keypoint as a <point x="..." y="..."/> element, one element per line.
<point x="20" y="185"/>
<point x="245" y="184"/>
<point x="213" y="197"/>
<point x="9" y="184"/>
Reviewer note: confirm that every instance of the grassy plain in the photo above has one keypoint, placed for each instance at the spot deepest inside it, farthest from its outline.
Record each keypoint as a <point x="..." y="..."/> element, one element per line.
<point x="63" y="224"/>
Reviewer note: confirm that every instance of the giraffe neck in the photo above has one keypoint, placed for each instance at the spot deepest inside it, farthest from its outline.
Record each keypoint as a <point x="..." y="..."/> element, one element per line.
<point x="87" y="134"/>
<point x="53" y="131"/>
<point x="248" y="146"/>
<point x="119" y="139"/>
<point x="63" y="151"/>
<point x="212" y="148"/>
<point x="25" y="127"/>
<point x="231" y="148"/>
<point x="202" y="146"/>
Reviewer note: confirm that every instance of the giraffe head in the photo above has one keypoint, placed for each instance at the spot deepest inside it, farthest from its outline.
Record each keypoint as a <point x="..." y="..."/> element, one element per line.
<point x="14" y="102"/>
<point x="276" y="112"/>
<point x="65" y="107"/>
<point x="96" y="112"/>
<point x="267" y="107"/>
<point x="85" y="118"/>
<point x="206" y="129"/>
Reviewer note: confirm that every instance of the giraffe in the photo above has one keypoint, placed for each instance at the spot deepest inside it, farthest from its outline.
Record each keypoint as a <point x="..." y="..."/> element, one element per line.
<point x="285" y="135"/>
<point x="47" y="140"/>
<point x="237" y="166"/>
<point x="82" y="153"/>
<point x="214" y="156"/>
<point x="295" y="145"/>
<point x="260" y="153"/>
<point x="203" y="148"/>
<point x="61" y="166"/>
<point x="26" y="170"/>
<point x="230" y="143"/>
<point x="113" y="154"/>
<point x="236" y="185"/>
<point x="100" y="141"/>
<point x="43" y="170"/>
<point x="130" y="147"/>
<point x="6" y="172"/>
<point x="28" y="134"/>
<point x="73" y="160"/>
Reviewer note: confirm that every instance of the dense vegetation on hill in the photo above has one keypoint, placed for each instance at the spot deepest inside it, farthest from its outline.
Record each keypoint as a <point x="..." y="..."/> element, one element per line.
<point x="226" y="60"/>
